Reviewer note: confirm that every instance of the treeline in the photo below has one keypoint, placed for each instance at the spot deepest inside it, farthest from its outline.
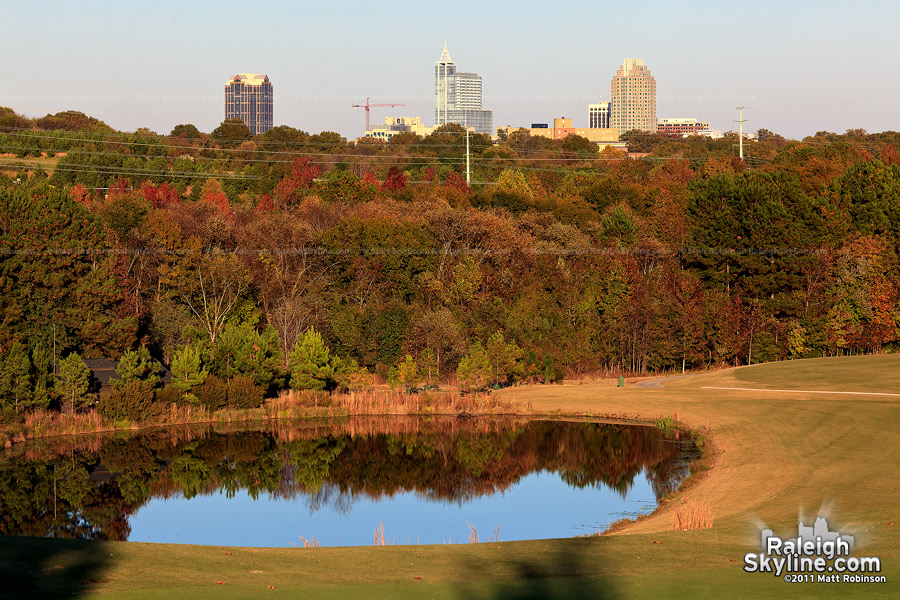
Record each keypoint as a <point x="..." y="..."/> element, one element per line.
<point x="593" y="264"/>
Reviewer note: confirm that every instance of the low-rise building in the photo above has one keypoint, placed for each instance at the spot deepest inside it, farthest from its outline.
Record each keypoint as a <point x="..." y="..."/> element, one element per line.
<point x="681" y="126"/>
<point x="394" y="125"/>
<point x="562" y="128"/>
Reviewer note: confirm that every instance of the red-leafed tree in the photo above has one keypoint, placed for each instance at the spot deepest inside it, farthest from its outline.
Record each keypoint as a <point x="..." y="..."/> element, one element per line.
<point x="81" y="195"/>
<point x="264" y="204"/>
<point x="213" y="193"/>
<point x="394" y="181"/>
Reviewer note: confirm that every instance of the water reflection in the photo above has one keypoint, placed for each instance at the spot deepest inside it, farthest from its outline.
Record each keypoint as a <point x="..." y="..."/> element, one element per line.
<point x="91" y="487"/>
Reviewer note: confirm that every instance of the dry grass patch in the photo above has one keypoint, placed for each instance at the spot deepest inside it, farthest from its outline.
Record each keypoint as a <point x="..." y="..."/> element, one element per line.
<point x="693" y="515"/>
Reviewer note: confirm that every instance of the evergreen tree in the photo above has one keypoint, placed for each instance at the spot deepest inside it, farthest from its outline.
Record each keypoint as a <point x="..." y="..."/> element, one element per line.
<point x="187" y="368"/>
<point x="72" y="382"/>
<point x="136" y="365"/>
<point x="242" y="351"/>
<point x="15" y="377"/>
<point x="474" y="370"/>
<point x="406" y="374"/>
<point x="312" y="365"/>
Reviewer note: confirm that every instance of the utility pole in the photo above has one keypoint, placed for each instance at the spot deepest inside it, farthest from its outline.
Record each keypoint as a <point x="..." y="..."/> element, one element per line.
<point x="741" y="121"/>
<point x="468" y="164"/>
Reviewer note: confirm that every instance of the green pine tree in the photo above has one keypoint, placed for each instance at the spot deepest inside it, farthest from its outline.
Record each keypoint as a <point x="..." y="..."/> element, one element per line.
<point x="187" y="368"/>
<point x="15" y="377"/>
<point x="312" y="365"/>
<point x="72" y="382"/>
<point x="474" y="370"/>
<point x="136" y="365"/>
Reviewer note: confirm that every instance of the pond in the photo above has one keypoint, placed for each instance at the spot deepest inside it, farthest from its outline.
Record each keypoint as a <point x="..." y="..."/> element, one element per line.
<point x="343" y="482"/>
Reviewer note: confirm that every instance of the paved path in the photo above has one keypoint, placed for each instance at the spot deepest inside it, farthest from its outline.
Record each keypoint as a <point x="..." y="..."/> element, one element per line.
<point x="657" y="382"/>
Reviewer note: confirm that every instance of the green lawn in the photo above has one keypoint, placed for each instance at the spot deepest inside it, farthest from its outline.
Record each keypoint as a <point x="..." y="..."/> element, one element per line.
<point x="880" y="373"/>
<point x="773" y="455"/>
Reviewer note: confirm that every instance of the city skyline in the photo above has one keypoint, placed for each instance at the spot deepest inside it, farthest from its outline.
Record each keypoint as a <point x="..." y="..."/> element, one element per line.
<point x="810" y="69"/>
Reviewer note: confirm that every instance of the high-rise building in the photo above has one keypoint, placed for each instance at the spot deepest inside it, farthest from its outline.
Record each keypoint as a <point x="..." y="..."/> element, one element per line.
<point x="457" y="97"/>
<point x="248" y="97"/>
<point x="633" y="97"/>
<point x="598" y="115"/>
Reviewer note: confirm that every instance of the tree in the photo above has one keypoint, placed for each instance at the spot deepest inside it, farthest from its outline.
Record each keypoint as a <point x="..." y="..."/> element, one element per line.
<point x="241" y="350"/>
<point x="15" y="377"/>
<point x="474" y="370"/>
<point x="505" y="358"/>
<point x="187" y="368"/>
<point x="429" y="368"/>
<point x="231" y="133"/>
<point x="580" y="145"/>
<point x="394" y="181"/>
<point x="513" y="181"/>
<point x="136" y="365"/>
<point x="312" y="365"/>
<point x="405" y="373"/>
<point x="282" y="139"/>
<point x="214" y="293"/>
<point x="186" y="131"/>
<point x="130" y="400"/>
<point x="72" y="382"/>
<point x="57" y="274"/>
<point x="327" y="141"/>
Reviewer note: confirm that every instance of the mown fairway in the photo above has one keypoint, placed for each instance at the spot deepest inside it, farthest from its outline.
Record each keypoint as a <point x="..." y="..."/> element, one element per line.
<point x="775" y="453"/>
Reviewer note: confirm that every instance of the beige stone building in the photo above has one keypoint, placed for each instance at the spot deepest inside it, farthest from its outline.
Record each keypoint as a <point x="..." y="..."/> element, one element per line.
<point x="633" y="97"/>
<point x="394" y="125"/>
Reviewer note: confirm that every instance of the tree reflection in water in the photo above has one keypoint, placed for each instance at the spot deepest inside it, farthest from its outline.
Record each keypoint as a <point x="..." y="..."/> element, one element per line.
<point x="89" y="487"/>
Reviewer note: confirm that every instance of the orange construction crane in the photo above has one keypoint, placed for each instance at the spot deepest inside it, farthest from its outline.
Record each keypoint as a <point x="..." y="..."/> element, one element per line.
<point x="367" y="106"/>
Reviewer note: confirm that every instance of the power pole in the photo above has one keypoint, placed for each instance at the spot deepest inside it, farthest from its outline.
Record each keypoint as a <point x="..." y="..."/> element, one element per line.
<point x="468" y="168"/>
<point x="741" y="120"/>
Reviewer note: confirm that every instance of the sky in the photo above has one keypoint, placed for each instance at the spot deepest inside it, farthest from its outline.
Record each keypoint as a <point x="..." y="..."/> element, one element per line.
<point x="800" y="66"/>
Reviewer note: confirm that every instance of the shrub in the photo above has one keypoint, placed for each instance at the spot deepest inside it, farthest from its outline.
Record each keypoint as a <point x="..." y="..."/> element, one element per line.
<point x="244" y="393"/>
<point x="168" y="395"/>
<point x="212" y="393"/>
<point x="130" y="400"/>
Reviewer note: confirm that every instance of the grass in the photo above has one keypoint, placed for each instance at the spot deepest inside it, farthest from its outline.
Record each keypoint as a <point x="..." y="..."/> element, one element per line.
<point x="770" y="456"/>
<point x="879" y="373"/>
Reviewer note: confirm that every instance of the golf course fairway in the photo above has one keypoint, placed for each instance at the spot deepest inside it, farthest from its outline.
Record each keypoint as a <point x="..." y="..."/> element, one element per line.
<point x="788" y="439"/>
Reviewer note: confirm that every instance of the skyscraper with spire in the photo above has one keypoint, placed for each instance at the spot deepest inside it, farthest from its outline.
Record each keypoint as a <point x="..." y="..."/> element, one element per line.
<point x="457" y="97"/>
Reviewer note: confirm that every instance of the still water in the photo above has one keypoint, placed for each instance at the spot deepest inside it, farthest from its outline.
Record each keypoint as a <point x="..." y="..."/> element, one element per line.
<point x="343" y="482"/>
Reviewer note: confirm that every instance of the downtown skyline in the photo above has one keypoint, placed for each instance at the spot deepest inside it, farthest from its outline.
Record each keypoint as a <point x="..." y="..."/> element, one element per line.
<point x="800" y="69"/>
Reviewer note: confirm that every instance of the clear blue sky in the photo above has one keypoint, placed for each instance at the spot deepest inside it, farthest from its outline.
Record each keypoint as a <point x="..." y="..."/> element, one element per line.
<point x="800" y="65"/>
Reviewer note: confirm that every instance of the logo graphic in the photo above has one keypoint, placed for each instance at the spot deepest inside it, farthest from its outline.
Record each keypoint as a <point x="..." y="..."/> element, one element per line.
<point x="816" y="555"/>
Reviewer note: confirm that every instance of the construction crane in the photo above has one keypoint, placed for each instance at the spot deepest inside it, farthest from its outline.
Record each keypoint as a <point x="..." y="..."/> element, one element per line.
<point x="367" y="106"/>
